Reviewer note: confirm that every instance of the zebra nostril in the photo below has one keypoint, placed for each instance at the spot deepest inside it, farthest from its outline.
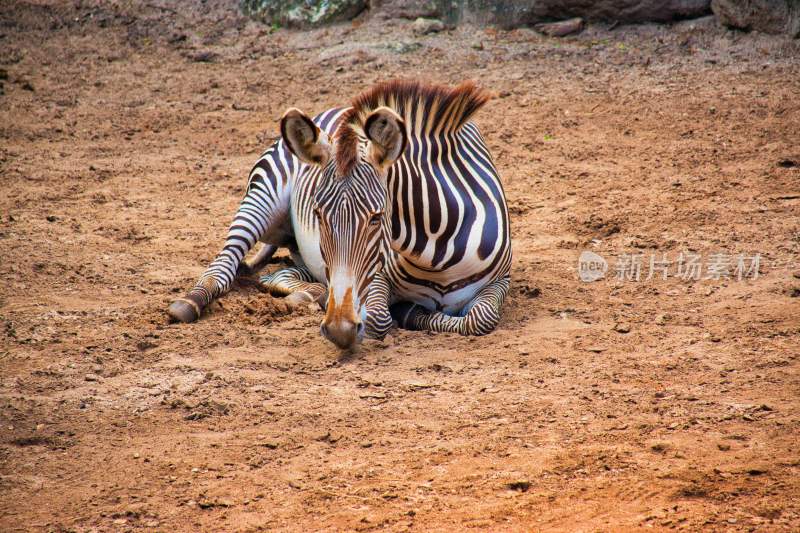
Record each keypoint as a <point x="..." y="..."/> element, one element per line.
<point x="360" y="329"/>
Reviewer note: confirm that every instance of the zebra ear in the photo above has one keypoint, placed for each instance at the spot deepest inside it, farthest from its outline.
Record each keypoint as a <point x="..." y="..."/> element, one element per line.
<point x="386" y="132"/>
<point x="304" y="138"/>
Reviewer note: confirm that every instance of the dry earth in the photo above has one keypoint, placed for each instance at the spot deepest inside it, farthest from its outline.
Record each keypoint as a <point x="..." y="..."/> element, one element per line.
<point x="126" y="133"/>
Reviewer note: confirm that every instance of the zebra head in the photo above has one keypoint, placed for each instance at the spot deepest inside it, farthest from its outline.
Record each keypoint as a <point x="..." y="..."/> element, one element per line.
<point x="350" y="203"/>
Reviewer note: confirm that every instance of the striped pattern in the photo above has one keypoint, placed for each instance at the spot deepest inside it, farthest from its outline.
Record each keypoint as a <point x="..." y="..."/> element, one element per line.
<point x="428" y="243"/>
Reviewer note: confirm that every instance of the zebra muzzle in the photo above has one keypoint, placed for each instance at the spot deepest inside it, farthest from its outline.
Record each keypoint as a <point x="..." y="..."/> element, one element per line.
<point x="341" y="325"/>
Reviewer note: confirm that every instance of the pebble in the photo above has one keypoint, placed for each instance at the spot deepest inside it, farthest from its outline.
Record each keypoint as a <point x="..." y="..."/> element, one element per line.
<point x="622" y="327"/>
<point x="91" y="377"/>
<point x="561" y="28"/>
<point x="423" y="26"/>
<point x="521" y="485"/>
<point x="661" y="319"/>
<point x="595" y="349"/>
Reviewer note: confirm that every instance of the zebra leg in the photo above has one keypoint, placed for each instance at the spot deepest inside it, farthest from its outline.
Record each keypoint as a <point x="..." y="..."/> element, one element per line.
<point x="252" y="266"/>
<point x="262" y="215"/>
<point x="296" y="284"/>
<point x="379" y="319"/>
<point x="479" y="317"/>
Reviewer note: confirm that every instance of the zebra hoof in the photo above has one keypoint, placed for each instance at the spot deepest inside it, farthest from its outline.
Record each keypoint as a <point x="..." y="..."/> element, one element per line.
<point x="183" y="310"/>
<point x="406" y="313"/>
<point x="299" y="298"/>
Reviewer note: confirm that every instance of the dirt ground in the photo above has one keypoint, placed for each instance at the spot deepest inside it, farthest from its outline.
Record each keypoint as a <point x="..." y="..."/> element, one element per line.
<point x="127" y="130"/>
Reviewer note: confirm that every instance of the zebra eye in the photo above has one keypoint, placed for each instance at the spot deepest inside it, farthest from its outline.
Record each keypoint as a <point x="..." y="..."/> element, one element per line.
<point x="375" y="220"/>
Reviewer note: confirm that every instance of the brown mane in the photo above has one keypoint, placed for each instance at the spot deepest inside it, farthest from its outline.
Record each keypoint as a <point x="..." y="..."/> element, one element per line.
<point x="425" y="108"/>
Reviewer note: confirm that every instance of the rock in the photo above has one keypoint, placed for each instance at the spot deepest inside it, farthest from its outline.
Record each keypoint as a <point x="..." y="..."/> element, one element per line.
<point x="521" y="485"/>
<point x="412" y="9"/>
<point x="204" y="57"/>
<point x="302" y="13"/>
<point x="516" y="13"/>
<point x="404" y="47"/>
<point x="622" y="327"/>
<point x="504" y="13"/>
<point x="660" y="447"/>
<point x="768" y="16"/>
<point x="423" y="26"/>
<point x="561" y="28"/>
<point x="661" y="319"/>
<point x="91" y="377"/>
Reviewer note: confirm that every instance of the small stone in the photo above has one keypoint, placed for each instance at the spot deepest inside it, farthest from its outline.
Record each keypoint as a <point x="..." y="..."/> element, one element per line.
<point x="423" y="26"/>
<point x="661" y="319"/>
<point x="120" y="521"/>
<point x="52" y="218"/>
<point x="561" y="28"/>
<point x="520" y="485"/>
<point x="723" y="447"/>
<point x="39" y="427"/>
<point x="622" y="327"/>
<point x="204" y="57"/>
<point x="136" y="455"/>
<point x="659" y="447"/>
<point x="91" y="377"/>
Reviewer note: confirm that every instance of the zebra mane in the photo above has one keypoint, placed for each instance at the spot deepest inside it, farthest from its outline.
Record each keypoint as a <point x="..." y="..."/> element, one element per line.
<point x="426" y="109"/>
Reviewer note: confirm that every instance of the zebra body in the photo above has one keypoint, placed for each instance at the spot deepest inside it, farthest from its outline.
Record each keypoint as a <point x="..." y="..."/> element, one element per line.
<point x="436" y="231"/>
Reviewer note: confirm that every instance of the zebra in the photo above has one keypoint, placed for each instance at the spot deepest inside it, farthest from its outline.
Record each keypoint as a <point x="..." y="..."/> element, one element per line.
<point x="392" y="210"/>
